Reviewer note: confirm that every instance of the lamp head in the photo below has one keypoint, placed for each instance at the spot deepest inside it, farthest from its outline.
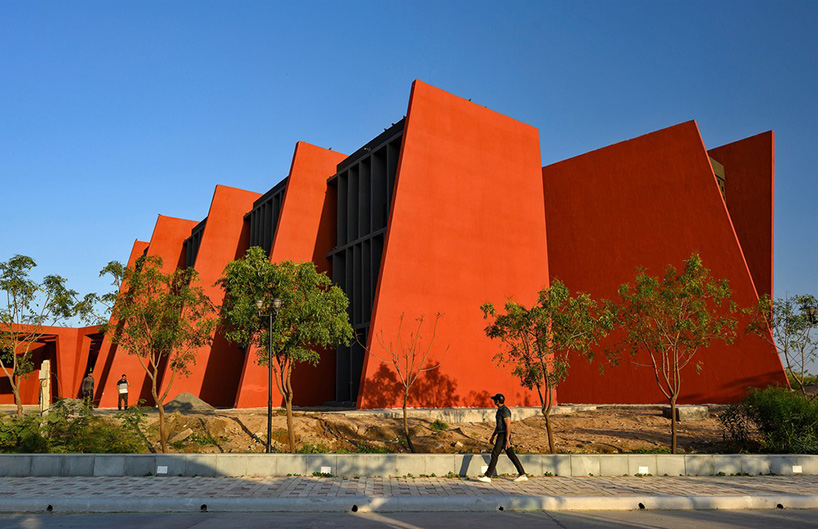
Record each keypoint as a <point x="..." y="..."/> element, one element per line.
<point x="812" y="314"/>
<point x="276" y="303"/>
<point x="259" y="304"/>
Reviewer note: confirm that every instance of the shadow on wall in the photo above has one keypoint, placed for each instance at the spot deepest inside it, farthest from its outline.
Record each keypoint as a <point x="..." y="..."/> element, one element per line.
<point x="432" y="389"/>
<point x="734" y="391"/>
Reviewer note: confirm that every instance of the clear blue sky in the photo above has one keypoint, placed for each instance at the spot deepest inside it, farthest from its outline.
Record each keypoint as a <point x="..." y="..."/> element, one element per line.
<point x="113" y="112"/>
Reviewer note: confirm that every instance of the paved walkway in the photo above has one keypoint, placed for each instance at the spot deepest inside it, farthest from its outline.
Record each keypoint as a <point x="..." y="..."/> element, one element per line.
<point x="167" y="494"/>
<point x="317" y="487"/>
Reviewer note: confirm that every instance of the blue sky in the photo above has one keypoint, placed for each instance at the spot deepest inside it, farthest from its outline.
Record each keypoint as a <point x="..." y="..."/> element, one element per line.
<point x="113" y="112"/>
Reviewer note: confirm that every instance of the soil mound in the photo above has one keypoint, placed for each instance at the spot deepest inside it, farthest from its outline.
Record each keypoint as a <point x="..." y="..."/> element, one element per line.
<point x="188" y="403"/>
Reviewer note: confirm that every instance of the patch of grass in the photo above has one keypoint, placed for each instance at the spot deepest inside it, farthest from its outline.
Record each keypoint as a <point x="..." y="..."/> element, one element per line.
<point x="201" y="440"/>
<point x="439" y="426"/>
<point x="657" y="450"/>
<point x="322" y="474"/>
<point x="313" y="448"/>
<point x="372" y="449"/>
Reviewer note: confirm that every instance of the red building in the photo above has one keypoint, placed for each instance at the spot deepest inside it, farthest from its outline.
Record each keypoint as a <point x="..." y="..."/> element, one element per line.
<point x="450" y="208"/>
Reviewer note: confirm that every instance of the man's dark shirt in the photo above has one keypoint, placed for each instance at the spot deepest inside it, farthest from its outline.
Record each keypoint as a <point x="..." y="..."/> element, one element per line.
<point x="502" y="413"/>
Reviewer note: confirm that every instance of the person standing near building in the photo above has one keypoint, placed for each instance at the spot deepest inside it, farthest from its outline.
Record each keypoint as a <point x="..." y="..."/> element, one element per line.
<point x="501" y="438"/>
<point x="87" y="388"/>
<point x="122" y="389"/>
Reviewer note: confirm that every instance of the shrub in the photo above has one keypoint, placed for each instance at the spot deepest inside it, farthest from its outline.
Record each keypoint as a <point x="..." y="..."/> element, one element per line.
<point x="785" y="422"/>
<point x="739" y="428"/>
<point x="67" y="428"/>
<point x="366" y="448"/>
<point x="22" y="435"/>
<point x="310" y="448"/>
<point x="439" y="425"/>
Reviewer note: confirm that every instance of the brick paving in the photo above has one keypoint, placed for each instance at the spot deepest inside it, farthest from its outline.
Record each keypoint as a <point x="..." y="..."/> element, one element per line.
<point x="321" y="487"/>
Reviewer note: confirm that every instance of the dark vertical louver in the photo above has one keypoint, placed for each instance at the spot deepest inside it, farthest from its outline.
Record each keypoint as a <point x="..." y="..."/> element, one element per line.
<point x="364" y="182"/>
<point x="192" y="244"/>
<point x="264" y="217"/>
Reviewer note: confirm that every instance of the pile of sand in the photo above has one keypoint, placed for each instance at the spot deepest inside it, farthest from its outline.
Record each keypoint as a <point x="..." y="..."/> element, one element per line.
<point x="188" y="403"/>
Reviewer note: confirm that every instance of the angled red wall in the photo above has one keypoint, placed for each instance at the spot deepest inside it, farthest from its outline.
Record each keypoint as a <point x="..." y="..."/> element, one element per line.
<point x="749" y="188"/>
<point x="72" y="360"/>
<point x="167" y="240"/>
<point x="215" y="375"/>
<point x="107" y="351"/>
<point x="305" y="231"/>
<point x="649" y="202"/>
<point x="53" y="342"/>
<point x="466" y="227"/>
<point x="67" y="349"/>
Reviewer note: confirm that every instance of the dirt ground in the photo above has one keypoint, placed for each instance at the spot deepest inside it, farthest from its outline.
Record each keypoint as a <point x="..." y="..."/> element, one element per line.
<point x="608" y="429"/>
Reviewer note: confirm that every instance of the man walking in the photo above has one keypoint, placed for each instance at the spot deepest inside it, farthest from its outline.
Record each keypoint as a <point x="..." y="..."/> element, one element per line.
<point x="122" y="389"/>
<point x="501" y="438"/>
<point x="87" y="389"/>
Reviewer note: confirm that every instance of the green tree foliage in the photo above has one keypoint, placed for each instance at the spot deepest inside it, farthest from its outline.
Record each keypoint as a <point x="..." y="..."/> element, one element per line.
<point x="671" y="319"/>
<point x="537" y="341"/>
<point x="30" y="306"/>
<point x="312" y="316"/>
<point x="786" y="325"/>
<point x="773" y="420"/>
<point x="163" y="320"/>
<point x="69" y="427"/>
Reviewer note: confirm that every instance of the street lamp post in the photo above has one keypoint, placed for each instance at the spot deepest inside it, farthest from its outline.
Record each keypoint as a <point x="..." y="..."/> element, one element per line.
<point x="276" y="306"/>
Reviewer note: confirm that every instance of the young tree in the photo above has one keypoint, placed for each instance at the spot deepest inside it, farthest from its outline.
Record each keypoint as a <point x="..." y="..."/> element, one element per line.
<point x="671" y="319"/>
<point x="312" y="315"/>
<point x="409" y="358"/>
<point x="30" y="306"/>
<point x="538" y="340"/>
<point x="788" y="325"/>
<point x="162" y="319"/>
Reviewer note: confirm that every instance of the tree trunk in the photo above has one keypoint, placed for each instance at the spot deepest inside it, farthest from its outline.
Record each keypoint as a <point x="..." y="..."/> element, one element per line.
<point x="406" y="423"/>
<point x="288" y="399"/>
<point x="15" y="389"/>
<point x="546" y="413"/>
<point x="673" y="424"/>
<point x="163" y="434"/>
<point x="287" y="382"/>
<point x="18" y="402"/>
<point x="800" y="379"/>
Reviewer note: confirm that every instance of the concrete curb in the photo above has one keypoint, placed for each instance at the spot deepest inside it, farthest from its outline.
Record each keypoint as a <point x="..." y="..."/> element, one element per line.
<point x="407" y="504"/>
<point x="382" y="465"/>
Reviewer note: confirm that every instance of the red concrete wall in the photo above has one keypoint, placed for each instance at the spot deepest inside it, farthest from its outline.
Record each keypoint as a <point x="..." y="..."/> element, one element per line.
<point x="215" y="376"/>
<point x="305" y="231"/>
<point x="107" y="351"/>
<point x="749" y="169"/>
<point x="650" y="202"/>
<point x="72" y="361"/>
<point x="166" y="242"/>
<point x="466" y="227"/>
<point x="67" y="349"/>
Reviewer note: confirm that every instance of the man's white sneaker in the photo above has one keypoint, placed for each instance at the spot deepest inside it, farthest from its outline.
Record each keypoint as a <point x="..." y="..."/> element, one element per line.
<point x="484" y="479"/>
<point x="521" y="477"/>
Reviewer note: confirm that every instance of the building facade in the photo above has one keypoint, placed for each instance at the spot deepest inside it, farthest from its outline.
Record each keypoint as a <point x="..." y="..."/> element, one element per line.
<point x="450" y="208"/>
